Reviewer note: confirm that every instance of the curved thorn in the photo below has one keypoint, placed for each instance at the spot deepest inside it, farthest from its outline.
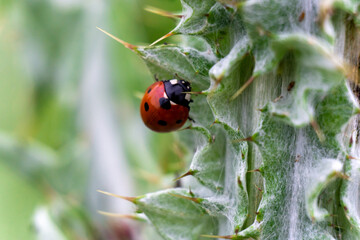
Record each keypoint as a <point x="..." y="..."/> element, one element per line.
<point x="162" y="38"/>
<point x="130" y="199"/>
<point x="127" y="45"/>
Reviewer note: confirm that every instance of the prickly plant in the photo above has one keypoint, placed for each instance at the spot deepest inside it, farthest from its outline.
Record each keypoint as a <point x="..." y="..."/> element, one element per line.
<point x="275" y="136"/>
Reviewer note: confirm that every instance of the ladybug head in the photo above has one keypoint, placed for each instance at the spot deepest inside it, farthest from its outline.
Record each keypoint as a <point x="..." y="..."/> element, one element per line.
<point x="178" y="91"/>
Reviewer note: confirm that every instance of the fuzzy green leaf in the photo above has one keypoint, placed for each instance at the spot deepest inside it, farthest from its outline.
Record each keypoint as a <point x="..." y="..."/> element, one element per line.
<point x="317" y="71"/>
<point x="202" y="17"/>
<point x="175" y="217"/>
<point x="189" y="63"/>
<point x="293" y="115"/>
<point x="212" y="166"/>
<point x="349" y="191"/>
<point x="288" y="154"/>
<point x="350" y="6"/>
<point x="321" y="177"/>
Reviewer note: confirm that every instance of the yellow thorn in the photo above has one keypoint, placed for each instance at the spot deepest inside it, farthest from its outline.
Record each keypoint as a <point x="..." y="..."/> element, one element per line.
<point x="318" y="131"/>
<point x="109" y="214"/>
<point x="186" y="128"/>
<point x="127" y="45"/>
<point x="130" y="199"/>
<point x="259" y="189"/>
<point x="188" y="173"/>
<point x="211" y="125"/>
<point x="213" y="236"/>
<point x="238" y="92"/>
<point x="196" y="200"/>
<point x="162" y="12"/>
<point x="162" y="38"/>
<point x="116" y="215"/>
<point x="248" y="139"/>
<point x="217" y="82"/>
<point x="352" y="158"/>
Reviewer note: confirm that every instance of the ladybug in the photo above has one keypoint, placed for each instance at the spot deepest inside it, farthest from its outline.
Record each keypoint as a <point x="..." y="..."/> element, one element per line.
<point x="165" y="105"/>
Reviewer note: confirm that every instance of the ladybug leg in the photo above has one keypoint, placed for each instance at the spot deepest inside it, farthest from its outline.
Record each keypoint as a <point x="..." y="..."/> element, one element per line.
<point x="192" y="120"/>
<point x="156" y="79"/>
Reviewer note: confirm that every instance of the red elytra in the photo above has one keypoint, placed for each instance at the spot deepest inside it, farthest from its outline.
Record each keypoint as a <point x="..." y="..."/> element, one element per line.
<point x="160" y="116"/>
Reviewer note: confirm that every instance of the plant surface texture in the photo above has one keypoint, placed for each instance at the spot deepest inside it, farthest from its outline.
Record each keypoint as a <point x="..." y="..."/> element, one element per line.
<point x="275" y="139"/>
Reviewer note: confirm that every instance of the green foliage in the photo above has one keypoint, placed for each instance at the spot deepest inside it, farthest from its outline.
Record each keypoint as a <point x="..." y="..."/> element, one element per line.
<point x="274" y="142"/>
<point x="46" y="151"/>
<point x="171" y="214"/>
<point x="290" y="122"/>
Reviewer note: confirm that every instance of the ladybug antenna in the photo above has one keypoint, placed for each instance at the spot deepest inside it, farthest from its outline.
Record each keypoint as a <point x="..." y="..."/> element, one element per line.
<point x="127" y="45"/>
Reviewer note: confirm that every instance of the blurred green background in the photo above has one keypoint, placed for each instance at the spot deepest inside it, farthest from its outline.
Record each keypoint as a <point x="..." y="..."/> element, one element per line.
<point x="69" y="118"/>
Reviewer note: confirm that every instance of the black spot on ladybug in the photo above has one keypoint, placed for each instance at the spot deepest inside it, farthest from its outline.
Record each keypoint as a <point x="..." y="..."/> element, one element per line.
<point x="149" y="90"/>
<point x="162" y="122"/>
<point x="179" y="121"/>
<point x="146" y="106"/>
<point x="165" y="103"/>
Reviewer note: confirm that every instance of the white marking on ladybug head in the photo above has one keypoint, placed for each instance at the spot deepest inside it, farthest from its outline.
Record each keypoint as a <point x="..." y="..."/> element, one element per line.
<point x="188" y="97"/>
<point x="188" y="87"/>
<point x="182" y="81"/>
<point x="174" y="81"/>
